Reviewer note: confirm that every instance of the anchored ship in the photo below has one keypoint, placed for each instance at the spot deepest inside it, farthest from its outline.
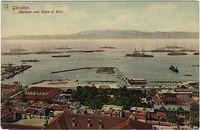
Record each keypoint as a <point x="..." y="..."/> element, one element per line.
<point x="32" y="60"/>
<point x="176" y="53"/>
<point x="196" y="53"/>
<point x="108" y="47"/>
<point x="139" y="54"/>
<point x="55" y="56"/>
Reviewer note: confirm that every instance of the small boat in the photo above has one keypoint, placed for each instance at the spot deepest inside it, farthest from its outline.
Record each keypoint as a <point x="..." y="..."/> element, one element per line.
<point x="176" y="53"/>
<point x="174" y="68"/>
<point x="56" y="56"/>
<point x="34" y="60"/>
<point x="188" y="75"/>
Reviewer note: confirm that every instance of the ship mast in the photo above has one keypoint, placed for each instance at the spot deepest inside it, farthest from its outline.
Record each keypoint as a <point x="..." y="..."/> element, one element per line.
<point x="142" y="51"/>
<point x="135" y="51"/>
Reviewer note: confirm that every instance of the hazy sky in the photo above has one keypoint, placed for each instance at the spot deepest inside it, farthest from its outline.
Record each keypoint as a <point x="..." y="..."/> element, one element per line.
<point x="79" y="16"/>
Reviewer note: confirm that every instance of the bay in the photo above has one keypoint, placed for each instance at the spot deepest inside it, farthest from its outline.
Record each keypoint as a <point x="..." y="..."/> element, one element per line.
<point x="151" y="69"/>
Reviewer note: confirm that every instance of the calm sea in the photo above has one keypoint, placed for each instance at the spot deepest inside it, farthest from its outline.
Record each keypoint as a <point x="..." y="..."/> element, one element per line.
<point x="151" y="69"/>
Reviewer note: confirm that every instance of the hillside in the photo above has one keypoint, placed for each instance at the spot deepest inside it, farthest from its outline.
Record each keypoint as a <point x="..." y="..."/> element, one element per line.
<point x="114" y="34"/>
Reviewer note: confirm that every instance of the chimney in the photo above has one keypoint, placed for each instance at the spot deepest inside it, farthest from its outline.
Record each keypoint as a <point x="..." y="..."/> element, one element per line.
<point x="100" y="124"/>
<point x="89" y="123"/>
<point x="74" y="122"/>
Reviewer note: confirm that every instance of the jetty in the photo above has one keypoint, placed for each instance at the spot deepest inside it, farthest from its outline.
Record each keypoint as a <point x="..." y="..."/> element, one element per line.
<point x="123" y="77"/>
<point x="83" y="68"/>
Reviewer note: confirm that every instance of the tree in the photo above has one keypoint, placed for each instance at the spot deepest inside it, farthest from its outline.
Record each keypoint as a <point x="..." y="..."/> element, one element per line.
<point x="172" y="119"/>
<point x="50" y="101"/>
<point x="96" y="98"/>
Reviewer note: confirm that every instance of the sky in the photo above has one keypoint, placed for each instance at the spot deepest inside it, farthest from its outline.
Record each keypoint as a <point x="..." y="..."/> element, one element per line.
<point x="83" y="16"/>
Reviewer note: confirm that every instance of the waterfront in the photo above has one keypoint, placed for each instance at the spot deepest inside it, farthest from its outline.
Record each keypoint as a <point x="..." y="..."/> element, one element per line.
<point x="153" y="69"/>
<point x="100" y="65"/>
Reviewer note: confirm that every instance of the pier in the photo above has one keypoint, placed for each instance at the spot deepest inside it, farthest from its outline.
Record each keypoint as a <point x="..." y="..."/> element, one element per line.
<point x="123" y="77"/>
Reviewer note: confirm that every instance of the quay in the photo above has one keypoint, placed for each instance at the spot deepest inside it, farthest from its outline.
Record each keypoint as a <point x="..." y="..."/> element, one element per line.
<point x="166" y="81"/>
<point x="124" y="78"/>
<point x="10" y="71"/>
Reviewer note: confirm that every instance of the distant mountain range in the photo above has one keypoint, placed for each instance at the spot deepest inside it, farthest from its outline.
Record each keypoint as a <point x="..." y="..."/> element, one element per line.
<point x="114" y="34"/>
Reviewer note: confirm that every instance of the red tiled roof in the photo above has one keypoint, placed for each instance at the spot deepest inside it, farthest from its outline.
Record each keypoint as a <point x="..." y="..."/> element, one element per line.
<point x="11" y="126"/>
<point x="82" y="121"/>
<point x="180" y="101"/>
<point x="51" y="93"/>
<point x="140" y="125"/>
<point x="140" y="114"/>
<point x="9" y="89"/>
<point x="58" y="123"/>
<point x="155" y="115"/>
<point x="124" y="125"/>
<point x="158" y="99"/>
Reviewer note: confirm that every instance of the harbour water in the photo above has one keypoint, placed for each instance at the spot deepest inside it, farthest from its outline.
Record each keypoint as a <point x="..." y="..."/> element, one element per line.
<point x="151" y="69"/>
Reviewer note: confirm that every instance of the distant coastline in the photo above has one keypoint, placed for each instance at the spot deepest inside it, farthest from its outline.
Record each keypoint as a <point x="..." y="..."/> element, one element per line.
<point x="111" y="34"/>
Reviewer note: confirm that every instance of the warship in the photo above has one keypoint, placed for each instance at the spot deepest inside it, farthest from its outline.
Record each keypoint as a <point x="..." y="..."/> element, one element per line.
<point x="31" y="60"/>
<point x="138" y="54"/>
<point x="176" y="53"/>
<point x="196" y="53"/>
<point x="56" y="56"/>
<point x="108" y="47"/>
